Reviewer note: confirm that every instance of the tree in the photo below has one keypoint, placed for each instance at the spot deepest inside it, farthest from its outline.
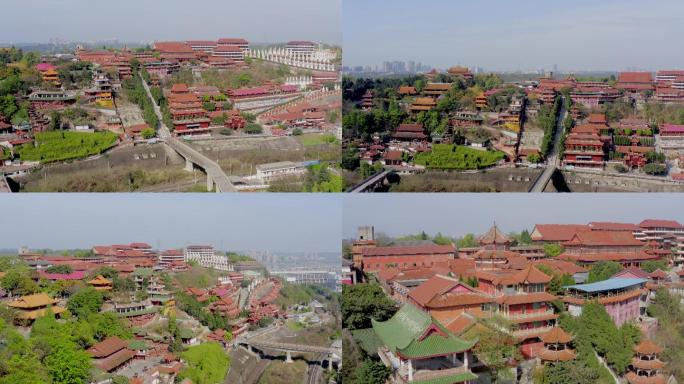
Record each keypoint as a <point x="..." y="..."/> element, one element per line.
<point x="655" y="169"/>
<point x="18" y="282"/>
<point x="441" y="239"/>
<point x="568" y="372"/>
<point x="496" y="346"/>
<point x="107" y="324"/>
<point x="120" y="380"/>
<point x="361" y="302"/>
<point x="372" y="372"/>
<point x="249" y="117"/>
<point x="297" y="132"/>
<point x="208" y="106"/>
<point x="206" y="363"/>
<point x="603" y="270"/>
<point x="558" y="281"/>
<point x="125" y="284"/>
<point x="553" y="250"/>
<point x="85" y="301"/>
<point x="148" y="133"/>
<point x="595" y="327"/>
<point x="228" y="337"/>
<point x="467" y="241"/>
<point x="67" y="364"/>
<point x="533" y="158"/>
<point x="350" y="159"/>
<point x="65" y="361"/>
<point x="253" y="128"/>
<point x="18" y="360"/>
<point x="65" y="269"/>
<point x="525" y="237"/>
<point x="653" y="265"/>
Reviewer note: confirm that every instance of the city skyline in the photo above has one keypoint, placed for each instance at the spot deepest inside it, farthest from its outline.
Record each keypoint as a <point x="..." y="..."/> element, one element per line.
<point x="261" y="21"/>
<point x="243" y="222"/>
<point x="503" y="36"/>
<point x="457" y="215"/>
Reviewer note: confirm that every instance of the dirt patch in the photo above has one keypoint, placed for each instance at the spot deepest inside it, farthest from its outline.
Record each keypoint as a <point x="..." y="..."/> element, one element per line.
<point x="119" y="170"/>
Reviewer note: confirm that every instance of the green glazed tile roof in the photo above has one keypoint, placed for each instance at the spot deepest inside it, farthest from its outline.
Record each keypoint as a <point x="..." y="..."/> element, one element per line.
<point x="401" y="334"/>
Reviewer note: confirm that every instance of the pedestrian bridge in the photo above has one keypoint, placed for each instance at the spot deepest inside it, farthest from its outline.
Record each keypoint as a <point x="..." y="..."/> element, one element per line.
<point x="288" y="348"/>
<point x="215" y="175"/>
<point x="369" y="184"/>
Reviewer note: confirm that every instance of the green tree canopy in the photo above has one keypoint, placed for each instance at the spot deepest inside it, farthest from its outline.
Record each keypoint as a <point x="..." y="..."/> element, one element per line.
<point x="363" y="302"/>
<point x="603" y="270"/>
<point x="85" y="301"/>
<point x="207" y="363"/>
<point x="553" y="250"/>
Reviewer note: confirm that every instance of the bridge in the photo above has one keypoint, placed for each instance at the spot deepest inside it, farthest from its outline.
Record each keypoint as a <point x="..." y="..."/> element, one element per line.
<point x="288" y="348"/>
<point x="369" y="184"/>
<point x="552" y="160"/>
<point x="215" y="175"/>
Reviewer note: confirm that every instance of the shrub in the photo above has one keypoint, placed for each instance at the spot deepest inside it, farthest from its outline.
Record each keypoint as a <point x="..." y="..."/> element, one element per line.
<point x="253" y="128"/>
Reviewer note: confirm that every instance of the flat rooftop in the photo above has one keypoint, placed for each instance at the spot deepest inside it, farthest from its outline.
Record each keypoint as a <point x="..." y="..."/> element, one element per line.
<point x="606" y="285"/>
<point x="278" y="165"/>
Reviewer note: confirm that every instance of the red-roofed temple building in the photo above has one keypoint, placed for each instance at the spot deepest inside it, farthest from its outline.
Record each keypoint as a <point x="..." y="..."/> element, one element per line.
<point x="175" y="51"/>
<point x="584" y="150"/>
<point x="646" y="364"/>
<point x="376" y="259"/>
<point x="635" y="81"/>
<point x="409" y="132"/>
<point x="111" y="354"/>
<point x="263" y="97"/>
<point x="522" y="299"/>
<point x="592" y="96"/>
<point x="186" y="111"/>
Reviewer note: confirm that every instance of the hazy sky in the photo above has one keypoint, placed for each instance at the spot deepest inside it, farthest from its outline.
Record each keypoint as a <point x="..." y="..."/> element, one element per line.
<point x="148" y="20"/>
<point x="523" y="34"/>
<point x="276" y="222"/>
<point x="460" y="213"/>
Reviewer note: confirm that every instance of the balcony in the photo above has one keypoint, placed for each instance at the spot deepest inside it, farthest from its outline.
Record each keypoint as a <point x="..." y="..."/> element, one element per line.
<point x="532" y="331"/>
<point x="401" y="376"/>
<point x="519" y="316"/>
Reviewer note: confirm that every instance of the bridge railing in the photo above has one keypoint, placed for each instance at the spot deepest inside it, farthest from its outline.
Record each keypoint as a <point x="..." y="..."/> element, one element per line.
<point x="360" y="185"/>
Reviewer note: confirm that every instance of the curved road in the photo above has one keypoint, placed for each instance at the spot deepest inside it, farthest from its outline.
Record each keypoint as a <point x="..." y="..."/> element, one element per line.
<point x="213" y="170"/>
<point x="552" y="159"/>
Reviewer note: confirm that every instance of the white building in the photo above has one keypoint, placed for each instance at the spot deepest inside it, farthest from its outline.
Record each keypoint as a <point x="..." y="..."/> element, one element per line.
<point x="280" y="169"/>
<point x="318" y="277"/>
<point x="306" y="47"/>
<point x="171" y="255"/>
<point x="206" y="256"/>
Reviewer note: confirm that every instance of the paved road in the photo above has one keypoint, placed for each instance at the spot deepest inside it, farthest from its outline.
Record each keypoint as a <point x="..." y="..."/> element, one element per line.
<point x="212" y="169"/>
<point x="552" y="160"/>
